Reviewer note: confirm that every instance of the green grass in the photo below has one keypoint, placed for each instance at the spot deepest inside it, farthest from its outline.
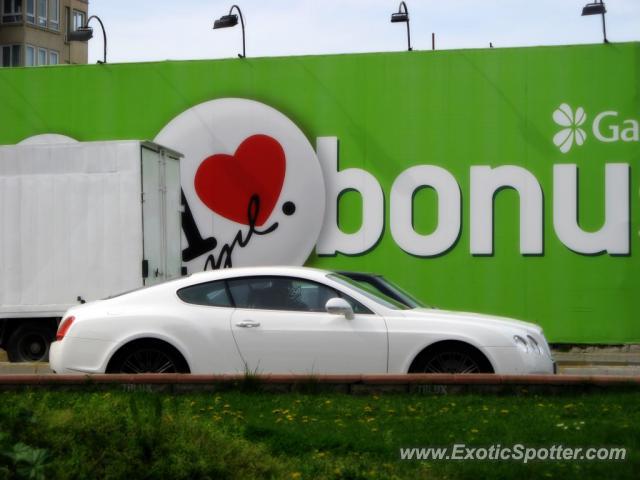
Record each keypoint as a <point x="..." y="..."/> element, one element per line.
<point x="118" y="434"/>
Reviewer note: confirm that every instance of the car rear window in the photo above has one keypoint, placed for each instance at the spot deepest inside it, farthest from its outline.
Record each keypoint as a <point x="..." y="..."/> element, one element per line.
<point x="212" y="294"/>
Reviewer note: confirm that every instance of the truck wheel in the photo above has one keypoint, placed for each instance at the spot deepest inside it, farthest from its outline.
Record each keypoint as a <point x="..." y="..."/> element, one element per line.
<point x="30" y="343"/>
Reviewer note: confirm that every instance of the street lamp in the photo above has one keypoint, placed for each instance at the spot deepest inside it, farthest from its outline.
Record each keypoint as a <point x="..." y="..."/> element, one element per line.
<point x="85" y="33"/>
<point x="597" y="8"/>
<point x="403" y="16"/>
<point x="231" y="20"/>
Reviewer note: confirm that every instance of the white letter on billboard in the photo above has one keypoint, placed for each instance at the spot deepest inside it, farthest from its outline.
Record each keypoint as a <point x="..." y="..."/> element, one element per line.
<point x="485" y="182"/>
<point x="631" y="132"/>
<point x="615" y="134"/>
<point x="333" y="240"/>
<point x="402" y="192"/>
<point x="613" y="237"/>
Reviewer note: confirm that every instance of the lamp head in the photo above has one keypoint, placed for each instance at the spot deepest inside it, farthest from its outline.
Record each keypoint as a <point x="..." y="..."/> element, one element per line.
<point x="81" y="34"/>
<point x="226" y="21"/>
<point x="399" y="17"/>
<point x="594" y="9"/>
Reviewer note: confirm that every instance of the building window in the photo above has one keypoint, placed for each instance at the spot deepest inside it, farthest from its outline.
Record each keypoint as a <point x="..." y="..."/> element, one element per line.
<point x="54" y="14"/>
<point x="42" y="13"/>
<point x="42" y="56"/>
<point x="10" y="55"/>
<point x="79" y="19"/>
<point x="31" y="11"/>
<point x="12" y="11"/>
<point x="53" y="57"/>
<point x="29" y="56"/>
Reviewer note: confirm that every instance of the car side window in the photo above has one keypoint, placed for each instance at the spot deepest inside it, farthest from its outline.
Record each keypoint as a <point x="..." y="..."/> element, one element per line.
<point x="212" y="294"/>
<point x="283" y="293"/>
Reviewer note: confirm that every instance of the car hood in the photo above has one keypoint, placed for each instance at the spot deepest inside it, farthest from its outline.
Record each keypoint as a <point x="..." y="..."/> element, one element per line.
<point x="471" y="318"/>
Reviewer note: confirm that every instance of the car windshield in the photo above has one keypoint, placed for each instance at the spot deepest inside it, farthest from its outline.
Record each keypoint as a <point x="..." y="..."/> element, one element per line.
<point x="372" y="292"/>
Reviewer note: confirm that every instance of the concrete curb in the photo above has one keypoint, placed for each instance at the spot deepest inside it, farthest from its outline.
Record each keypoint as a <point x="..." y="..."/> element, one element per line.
<point x="384" y="383"/>
<point x="597" y="358"/>
<point x="25" y="368"/>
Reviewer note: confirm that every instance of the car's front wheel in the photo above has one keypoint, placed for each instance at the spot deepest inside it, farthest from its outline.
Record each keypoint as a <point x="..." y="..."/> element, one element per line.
<point x="451" y="357"/>
<point x="147" y="357"/>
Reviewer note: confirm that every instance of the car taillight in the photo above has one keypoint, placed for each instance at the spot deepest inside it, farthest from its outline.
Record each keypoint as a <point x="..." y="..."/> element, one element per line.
<point x="64" y="327"/>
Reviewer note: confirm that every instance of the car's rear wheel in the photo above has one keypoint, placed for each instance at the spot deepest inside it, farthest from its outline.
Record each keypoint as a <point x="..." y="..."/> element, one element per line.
<point x="451" y="357"/>
<point x="148" y="357"/>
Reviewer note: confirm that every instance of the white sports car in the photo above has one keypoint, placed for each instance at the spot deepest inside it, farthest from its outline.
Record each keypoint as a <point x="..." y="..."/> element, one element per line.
<point x="287" y="320"/>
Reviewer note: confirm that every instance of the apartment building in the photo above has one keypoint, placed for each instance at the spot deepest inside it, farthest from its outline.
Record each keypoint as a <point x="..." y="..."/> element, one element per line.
<point x="34" y="32"/>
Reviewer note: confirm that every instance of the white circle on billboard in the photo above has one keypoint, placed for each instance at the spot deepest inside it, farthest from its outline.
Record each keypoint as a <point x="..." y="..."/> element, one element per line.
<point x="253" y="185"/>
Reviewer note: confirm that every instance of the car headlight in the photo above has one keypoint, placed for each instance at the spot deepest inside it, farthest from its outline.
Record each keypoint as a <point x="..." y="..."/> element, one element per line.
<point x="521" y="343"/>
<point x="534" y="345"/>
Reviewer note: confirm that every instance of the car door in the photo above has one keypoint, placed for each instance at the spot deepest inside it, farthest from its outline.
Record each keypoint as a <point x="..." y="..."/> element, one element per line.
<point x="280" y="326"/>
<point x="208" y="308"/>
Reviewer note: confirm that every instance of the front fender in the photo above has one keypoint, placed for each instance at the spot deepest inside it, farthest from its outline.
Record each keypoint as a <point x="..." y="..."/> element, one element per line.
<point x="402" y="363"/>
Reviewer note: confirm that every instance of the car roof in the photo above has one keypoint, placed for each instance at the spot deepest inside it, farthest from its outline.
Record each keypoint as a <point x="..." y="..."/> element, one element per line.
<point x="226" y="273"/>
<point x="306" y="272"/>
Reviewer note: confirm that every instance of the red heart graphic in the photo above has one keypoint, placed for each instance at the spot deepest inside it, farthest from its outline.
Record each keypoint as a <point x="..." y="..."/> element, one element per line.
<point x="226" y="183"/>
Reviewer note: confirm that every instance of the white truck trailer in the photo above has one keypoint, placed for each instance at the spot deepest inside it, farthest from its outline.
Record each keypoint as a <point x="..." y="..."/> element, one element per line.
<point x="80" y="222"/>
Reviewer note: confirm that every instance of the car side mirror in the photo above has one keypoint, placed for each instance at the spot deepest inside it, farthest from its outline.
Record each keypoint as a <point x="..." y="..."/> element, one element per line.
<point x="339" y="306"/>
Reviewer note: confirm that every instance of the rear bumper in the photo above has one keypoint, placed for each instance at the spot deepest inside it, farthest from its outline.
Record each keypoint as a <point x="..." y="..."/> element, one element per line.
<point x="79" y="355"/>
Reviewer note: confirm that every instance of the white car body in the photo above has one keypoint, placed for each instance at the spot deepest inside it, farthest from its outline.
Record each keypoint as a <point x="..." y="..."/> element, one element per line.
<point x="214" y="339"/>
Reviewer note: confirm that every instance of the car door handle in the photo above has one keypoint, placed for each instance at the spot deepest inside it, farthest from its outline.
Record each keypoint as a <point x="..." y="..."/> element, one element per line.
<point x="248" y="324"/>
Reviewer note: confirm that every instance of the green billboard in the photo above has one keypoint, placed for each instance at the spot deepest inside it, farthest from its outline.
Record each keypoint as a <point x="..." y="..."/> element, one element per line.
<point x="502" y="181"/>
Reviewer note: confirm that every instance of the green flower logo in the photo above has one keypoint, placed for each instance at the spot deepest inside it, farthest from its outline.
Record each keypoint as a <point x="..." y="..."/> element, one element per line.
<point x="571" y="132"/>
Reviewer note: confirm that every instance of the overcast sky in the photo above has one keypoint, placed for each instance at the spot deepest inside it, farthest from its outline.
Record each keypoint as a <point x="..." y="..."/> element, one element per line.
<point x="146" y="30"/>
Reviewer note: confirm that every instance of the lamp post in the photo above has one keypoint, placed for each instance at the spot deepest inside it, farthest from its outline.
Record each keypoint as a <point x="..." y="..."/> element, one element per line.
<point x="85" y="33"/>
<point x="231" y="20"/>
<point x="597" y="8"/>
<point x="403" y="16"/>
